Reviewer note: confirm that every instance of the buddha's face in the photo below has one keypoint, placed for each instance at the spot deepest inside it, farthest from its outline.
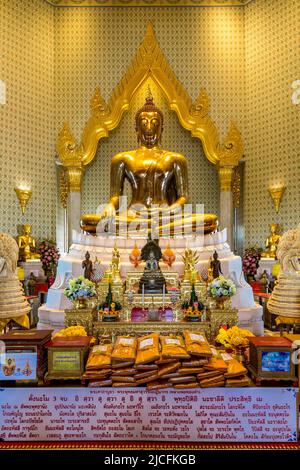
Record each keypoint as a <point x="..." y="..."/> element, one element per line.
<point x="273" y="228"/>
<point x="26" y="229"/>
<point x="149" y="128"/>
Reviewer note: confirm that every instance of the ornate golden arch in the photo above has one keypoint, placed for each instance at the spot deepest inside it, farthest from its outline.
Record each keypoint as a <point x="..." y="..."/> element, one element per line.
<point x="149" y="61"/>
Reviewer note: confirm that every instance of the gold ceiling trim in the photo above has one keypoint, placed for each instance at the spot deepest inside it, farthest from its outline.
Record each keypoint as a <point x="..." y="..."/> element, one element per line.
<point x="194" y="117"/>
<point x="147" y="3"/>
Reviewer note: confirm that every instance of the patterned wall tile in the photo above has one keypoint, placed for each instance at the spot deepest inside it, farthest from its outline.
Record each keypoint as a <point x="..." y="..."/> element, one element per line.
<point x="272" y="137"/>
<point x="27" y="142"/>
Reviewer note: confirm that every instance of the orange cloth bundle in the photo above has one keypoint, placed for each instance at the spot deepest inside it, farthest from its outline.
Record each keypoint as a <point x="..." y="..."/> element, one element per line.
<point x="216" y="363"/>
<point x="235" y="369"/>
<point x="173" y="348"/>
<point x="147" y="349"/>
<point x="100" y="357"/>
<point x="196" y="344"/>
<point x="125" y="349"/>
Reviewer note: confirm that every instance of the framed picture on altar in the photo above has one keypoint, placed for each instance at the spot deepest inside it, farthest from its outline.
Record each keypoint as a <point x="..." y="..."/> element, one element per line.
<point x="18" y="364"/>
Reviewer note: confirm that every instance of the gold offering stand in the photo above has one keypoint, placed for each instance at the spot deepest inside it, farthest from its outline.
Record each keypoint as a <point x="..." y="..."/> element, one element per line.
<point x="200" y="289"/>
<point x="133" y="278"/>
<point x="83" y="317"/>
<point x="151" y="300"/>
<point x="92" y="321"/>
<point x="143" y="328"/>
<point x="89" y="320"/>
<point x="117" y="289"/>
<point x="218" y="318"/>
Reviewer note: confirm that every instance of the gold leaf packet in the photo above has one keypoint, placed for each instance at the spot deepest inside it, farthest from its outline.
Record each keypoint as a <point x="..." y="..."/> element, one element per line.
<point x="173" y="347"/>
<point x="147" y="349"/>
<point x="100" y="357"/>
<point x="125" y="349"/>
<point x="196" y="344"/>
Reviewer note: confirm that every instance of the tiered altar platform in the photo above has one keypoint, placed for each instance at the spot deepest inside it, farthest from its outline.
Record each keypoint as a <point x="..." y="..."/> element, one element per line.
<point x="51" y="315"/>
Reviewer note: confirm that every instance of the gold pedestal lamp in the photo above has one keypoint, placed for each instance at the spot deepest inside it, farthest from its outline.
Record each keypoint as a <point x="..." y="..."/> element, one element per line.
<point x="276" y="193"/>
<point x="23" y="195"/>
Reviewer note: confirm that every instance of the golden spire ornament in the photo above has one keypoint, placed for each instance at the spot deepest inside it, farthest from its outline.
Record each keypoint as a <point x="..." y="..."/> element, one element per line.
<point x="276" y="193"/>
<point x="23" y="195"/>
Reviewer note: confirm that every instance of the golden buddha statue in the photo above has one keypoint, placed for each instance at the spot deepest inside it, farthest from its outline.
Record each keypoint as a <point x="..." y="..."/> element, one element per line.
<point x="272" y="243"/>
<point x="190" y="259"/>
<point x="159" y="186"/>
<point x="112" y="274"/>
<point x="27" y="245"/>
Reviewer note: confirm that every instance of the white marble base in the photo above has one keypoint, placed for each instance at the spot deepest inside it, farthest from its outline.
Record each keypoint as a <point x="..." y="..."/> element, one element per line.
<point x="51" y="315"/>
<point x="265" y="264"/>
<point x="35" y="267"/>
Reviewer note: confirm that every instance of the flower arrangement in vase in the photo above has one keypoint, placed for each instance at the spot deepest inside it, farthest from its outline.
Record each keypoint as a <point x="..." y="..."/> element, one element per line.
<point x="49" y="257"/>
<point x="80" y="289"/>
<point x="250" y="260"/>
<point x="221" y="289"/>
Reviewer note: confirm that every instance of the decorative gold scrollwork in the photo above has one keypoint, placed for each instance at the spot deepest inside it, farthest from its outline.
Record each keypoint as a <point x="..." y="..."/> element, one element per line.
<point x="201" y="105"/>
<point x="64" y="188"/>
<point x="138" y="3"/>
<point x="236" y="187"/>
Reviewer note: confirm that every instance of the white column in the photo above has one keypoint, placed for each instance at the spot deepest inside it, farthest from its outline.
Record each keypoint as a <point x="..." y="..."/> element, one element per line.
<point x="74" y="214"/>
<point x="75" y="175"/>
<point x="226" y="202"/>
<point x="226" y="215"/>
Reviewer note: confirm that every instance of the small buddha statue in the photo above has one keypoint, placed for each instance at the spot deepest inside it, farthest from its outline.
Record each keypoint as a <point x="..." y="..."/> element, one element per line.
<point x="215" y="265"/>
<point x="159" y="185"/>
<point x="190" y="259"/>
<point x="115" y="260"/>
<point x="112" y="274"/>
<point x="264" y="281"/>
<point x="88" y="266"/>
<point x="271" y="242"/>
<point x="210" y="276"/>
<point x="152" y="280"/>
<point x="27" y="245"/>
<point x="32" y="281"/>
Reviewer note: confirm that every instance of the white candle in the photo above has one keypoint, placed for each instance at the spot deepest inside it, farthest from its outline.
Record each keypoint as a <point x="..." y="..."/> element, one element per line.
<point x="143" y="295"/>
<point x="164" y="292"/>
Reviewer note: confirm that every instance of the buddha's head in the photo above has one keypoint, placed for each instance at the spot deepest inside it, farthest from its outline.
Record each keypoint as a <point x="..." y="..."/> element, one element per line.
<point x="149" y="123"/>
<point x="26" y="229"/>
<point x="274" y="228"/>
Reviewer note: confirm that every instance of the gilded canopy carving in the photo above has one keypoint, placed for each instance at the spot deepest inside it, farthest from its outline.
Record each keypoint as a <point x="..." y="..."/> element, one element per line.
<point x="149" y="61"/>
